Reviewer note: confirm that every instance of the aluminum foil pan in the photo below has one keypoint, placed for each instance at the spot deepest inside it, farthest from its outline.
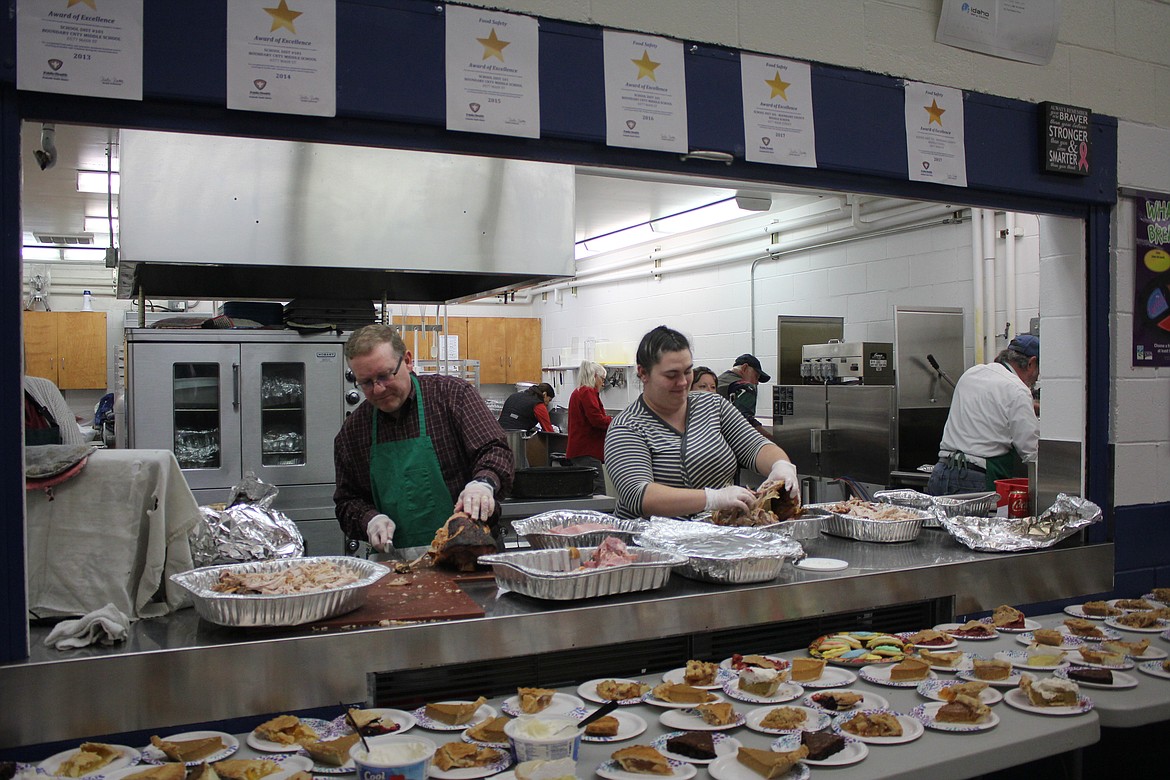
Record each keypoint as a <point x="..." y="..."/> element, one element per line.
<point x="235" y="609"/>
<point x="964" y="504"/>
<point x="866" y="530"/>
<point x="725" y="555"/>
<point x="1067" y="515"/>
<point x="553" y="573"/>
<point x="808" y="526"/>
<point x="538" y="529"/>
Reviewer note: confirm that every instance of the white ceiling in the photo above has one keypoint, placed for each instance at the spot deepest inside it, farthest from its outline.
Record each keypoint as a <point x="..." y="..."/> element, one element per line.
<point x="606" y="200"/>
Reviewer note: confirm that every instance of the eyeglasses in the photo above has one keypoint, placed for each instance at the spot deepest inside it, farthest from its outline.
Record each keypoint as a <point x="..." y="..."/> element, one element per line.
<point x="382" y="379"/>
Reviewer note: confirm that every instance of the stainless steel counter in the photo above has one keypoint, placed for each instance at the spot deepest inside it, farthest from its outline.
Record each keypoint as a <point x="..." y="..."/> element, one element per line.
<point x="178" y="669"/>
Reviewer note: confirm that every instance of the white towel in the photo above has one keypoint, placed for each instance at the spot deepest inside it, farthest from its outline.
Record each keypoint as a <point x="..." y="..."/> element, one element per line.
<point x="106" y="625"/>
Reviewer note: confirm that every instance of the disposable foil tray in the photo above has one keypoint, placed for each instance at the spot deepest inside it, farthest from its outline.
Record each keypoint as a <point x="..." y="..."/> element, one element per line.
<point x="538" y="529"/>
<point x="866" y="530"/>
<point x="958" y="505"/>
<point x="554" y="574"/>
<point x="239" y="609"/>
<point x="722" y="554"/>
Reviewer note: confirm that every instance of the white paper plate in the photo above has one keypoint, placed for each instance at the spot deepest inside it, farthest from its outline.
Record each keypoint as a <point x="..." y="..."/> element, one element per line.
<point x="152" y="755"/>
<point x="469" y="773"/>
<point x="691" y="720"/>
<point x="912" y="729"/>
<point x="726" y="663"/>
<point x="561" y="704"/>
<point x="1151" y="654"/>
<point x="129" y="757"/>
<point x="1029" y="625"/>
<point x="1154" y="604"/>
<point x="927" y="714"/>
<point x="880" y="675"/>
<point x="822" y="564"/>
<point x="815" y="719"/>
<point x="1011" y="681"/>
<point x="485" y="712"/>
<point x="323" y="728"/>
<point x="588" y="690"/>
<point x="1068" y="641"/>
<point x="1076" y="611"/>
<point x="611" y="770"/>
<point x="786" y="692"/>
<point x="650" y="698"/>
<point x="853" y="751"/>
<point x="951" y="627"/>
<point x="403" y="718"/>
<point x="1154" y="668"/>
<point x="831" y="677"/>
<point x="1120" y="680"/>
<point x="931" y="688"/>
<point x="1019" y="659"/>
<point x="944" y="646"/>
<point x="1019" y="700"/>
<point x="629" y="726"/>
<point x="675" y="676"/>
<point x="870" y="701"/>
<point x="1158" y="626"/>
<point x="1076" y="659"/>
<point x="724" y="746"/>
<point x="729" y="768"/>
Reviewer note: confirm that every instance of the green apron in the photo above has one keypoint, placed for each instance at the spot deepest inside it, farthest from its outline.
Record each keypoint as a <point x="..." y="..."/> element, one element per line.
<point x="1001" y="467"/>
<point x="407" y="483"/>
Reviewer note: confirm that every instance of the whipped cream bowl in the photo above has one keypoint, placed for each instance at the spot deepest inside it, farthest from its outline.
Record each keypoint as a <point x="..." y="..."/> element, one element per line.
<point x="393" y="756"/>
<point x="546" y="738"/>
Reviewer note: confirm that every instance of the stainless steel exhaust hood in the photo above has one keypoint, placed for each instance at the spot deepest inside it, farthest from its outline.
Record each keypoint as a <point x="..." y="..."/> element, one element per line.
<point x="209" y="217"/>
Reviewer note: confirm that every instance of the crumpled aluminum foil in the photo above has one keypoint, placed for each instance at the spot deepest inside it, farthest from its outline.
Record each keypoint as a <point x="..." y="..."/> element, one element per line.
<point x="1067" y="515"/>
<point x="721" y="554"/>
<point x="247" y="530"/>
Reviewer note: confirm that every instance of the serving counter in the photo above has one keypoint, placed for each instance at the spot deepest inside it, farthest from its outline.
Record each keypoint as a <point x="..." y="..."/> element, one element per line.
<point x="210" y="673"/>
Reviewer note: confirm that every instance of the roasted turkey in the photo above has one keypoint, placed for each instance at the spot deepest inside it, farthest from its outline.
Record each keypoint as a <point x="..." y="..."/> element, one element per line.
<point x="772" y="505"/>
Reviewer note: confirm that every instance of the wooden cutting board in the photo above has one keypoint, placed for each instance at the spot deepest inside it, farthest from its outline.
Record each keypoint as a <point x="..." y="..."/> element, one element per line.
<point x="425" y="595"/>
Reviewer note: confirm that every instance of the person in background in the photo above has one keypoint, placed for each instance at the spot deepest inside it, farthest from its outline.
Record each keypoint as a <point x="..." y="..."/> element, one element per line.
<point x="416" y="447"/>
<point x="675" y="453"/>
<point x="740" y="384"/>
<point x="705" y="380"/>
<point x="527" y="409"/>
<point x="47" y="418"/>
<point x="588" y="422"/>
<point x="992" y="421"/>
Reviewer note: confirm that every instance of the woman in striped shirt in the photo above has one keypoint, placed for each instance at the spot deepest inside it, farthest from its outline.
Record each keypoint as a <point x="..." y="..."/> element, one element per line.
<point x="674" y="453"/>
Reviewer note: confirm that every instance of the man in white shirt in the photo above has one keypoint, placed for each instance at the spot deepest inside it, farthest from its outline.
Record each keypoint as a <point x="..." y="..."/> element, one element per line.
<point x="992" y="421"/>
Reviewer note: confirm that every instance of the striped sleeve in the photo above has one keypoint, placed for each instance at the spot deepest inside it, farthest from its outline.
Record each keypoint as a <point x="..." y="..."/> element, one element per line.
<point x="745" y="440"/>
<point x="627" y="456"/>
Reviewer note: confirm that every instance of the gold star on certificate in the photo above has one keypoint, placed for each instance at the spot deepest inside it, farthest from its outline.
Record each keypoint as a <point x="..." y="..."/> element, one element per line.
<point x="91" y="3"/>
<point x="646" y="66"/>
<point x="779" y="87"/>
<point x="283" y="17"/>
<point x="935" y="112"/>
<point x="493" y="46"/>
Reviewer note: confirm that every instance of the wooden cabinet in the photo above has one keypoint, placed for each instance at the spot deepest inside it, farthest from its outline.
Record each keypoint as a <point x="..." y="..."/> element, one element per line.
<point x="507" y="348"/>
<point x="68" y="347"/>
<point x="486" y="343"/>
<point x="522" y="337"/>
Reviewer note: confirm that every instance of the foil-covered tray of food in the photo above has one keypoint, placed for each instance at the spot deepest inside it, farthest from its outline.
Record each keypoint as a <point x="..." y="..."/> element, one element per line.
<point x="1067" y="515"/>
<point x="570" y="573"/>
<point x="281" y="592"/>
<point x="868" y="521"/>
<point x="574" y="528"/>
<point x="731" y="555"/>
<point x="959" y="505"/>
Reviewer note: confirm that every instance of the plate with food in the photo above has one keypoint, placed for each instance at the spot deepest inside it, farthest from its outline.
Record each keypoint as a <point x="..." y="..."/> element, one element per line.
<point x="955" y="716"/>
<point x="190" y="747"/>
<point x="1142" y="622"/>
<point x="678" y="770"/>
<point x="858" y="648"/>
<point x="674" y="696"/>
<point x="485" y="762"/>
<point x="1027" y="624"/>
<point x="738" y="662"/>
<point x="1155" y="668"/>
<point x="90" y="758"/>
<point x="1139" y="650"/>
<point x="732" y="768"/>
<point x="331" y="756"/>
<point x="1078" y="611"/>
<point x="929" y="638"/>
<point x="709" y="717"/>
<point x="780" y="720"/>
<point x="699" y="674"/>
<point x="971" y="631"/>
<point x="1039" y="661"/>
<point x="902" y="675"/>
<point x="934" y="690"/>
<point x="453" y="714"/>
<point x="543" y="701"/>
<point x="287" y="733"/>
<point x="375" y="721"/>
<point x="1089" y="677"/>
<point x="489" y="733"/>
<point x="946" y="660"/>
<point x="879" y="727"/>
<point x="1051" y="637"/>
<point x="828" y="748"/>
<point x="998" y="674"/>
<point x="1100" y="659"/>
<point x="772" y="693"/>
<point x="831" y="677"/>
<point x="1019" y="699"/>
<point x="845" y="701"/>
<point x="696" y="747"/>
<point x="620" y="689"/>
<point x="629" y="726"/>
<point x="1135" y="605"/>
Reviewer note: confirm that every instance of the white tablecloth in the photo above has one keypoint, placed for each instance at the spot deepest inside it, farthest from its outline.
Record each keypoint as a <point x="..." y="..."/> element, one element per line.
<point x="112" y="534"/>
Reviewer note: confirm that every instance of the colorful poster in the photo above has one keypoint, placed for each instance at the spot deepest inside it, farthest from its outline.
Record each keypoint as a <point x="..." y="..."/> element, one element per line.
<point x="645" y="92"/>
<point x="1151" y="310"/>
<point x="936" y="149"/>
<point x="282" y="58"/>
<point x="777" y="111"/>
<point x="80" y="47"/>
<point x="493" y="81"/>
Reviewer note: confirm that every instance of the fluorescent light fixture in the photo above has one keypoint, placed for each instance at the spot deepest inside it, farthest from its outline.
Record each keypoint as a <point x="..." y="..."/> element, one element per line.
<point x="620" y="238"/>
<point x="754" y="201"/>
<point x="100" y="225"/>
<point x="96" y="181"/>
<point x="96" y="254"/>
<point x="701" y="217"/>
<point x="43" y="253"/>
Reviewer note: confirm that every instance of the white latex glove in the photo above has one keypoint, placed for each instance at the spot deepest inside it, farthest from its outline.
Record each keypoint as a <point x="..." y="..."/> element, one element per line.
<point x="730" y="497"/>
<point x="477" y="499"/>
<point x="380" y="532"/>
<point x="784" y="471"/>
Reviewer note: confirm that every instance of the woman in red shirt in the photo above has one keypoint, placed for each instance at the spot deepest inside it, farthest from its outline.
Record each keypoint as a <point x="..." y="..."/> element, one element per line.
<point x="588" y="422"/>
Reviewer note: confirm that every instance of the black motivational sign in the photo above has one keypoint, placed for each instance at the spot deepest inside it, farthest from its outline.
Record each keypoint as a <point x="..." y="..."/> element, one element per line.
<point x="1065" y="143"/>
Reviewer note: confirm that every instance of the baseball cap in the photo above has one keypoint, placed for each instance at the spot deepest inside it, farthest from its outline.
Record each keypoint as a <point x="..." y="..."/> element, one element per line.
<point x="753" y="361"/>
<point x="1026" y="344"/>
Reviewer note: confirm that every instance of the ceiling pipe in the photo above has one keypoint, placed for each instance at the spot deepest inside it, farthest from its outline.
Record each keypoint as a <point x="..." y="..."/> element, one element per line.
<point x="989" y="348"/>
<point x="977" y="283"/>
<point x="1009" y="273"/>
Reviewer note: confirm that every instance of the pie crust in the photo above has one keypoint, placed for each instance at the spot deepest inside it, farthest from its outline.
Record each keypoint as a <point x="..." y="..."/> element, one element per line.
<point x="1083" y="627"/>
<point x="784" y="718"/>
<point x="1050" y="692"/>
<point x="245" y="768"/>
<point x="334" y="752"/>
<point x="491" y="730"/>
<point x="807" y="669"/>
<point x="941" y="659"/>
<point x="700" y="673"/>
<point x="1006" y="616"/>
<point x="454" y="713"/>
<point x="464" y="755"/>
<point x="606" y="726"/>
<point x="682" y="694"/>
<point x="286" y="730"/>
<point x="533" y="700"/>
<point x="184" y="750"/>
<point x="993" y="669"/>
<point x="1099" y="608"/>
<point x="170" y="771"/>
<point x="718" y="714"/>
<point x="874" y="724"/>
<point x="768" y="763"/>
<point x="90" y="756"/>
<point x="643" y="759"/>
<point x="963" y="709"/>
<point x="612" y="690"/>
<point x="970" y="688"/>
<point x="909" y="669"/>
<point x="838" y="700"/>
<point x="1139" y="619"/>
<point x="1048" y="636"/>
